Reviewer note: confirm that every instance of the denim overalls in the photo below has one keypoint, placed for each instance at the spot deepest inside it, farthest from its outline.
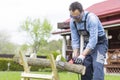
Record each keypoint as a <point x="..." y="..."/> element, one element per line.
<point x="94" y="61"/>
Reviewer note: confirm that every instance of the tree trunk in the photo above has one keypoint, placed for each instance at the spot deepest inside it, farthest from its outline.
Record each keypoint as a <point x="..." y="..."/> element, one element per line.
<point x="75" y="68"/>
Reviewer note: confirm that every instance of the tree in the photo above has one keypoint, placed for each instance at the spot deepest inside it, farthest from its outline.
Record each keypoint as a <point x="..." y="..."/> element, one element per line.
<point x="53" y="47"/>
<point x="6" y="47"/>
<point x="37" y="32"/>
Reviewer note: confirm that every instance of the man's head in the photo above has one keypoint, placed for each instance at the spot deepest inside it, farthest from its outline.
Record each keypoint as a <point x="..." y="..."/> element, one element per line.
<point x="76" y="11"/>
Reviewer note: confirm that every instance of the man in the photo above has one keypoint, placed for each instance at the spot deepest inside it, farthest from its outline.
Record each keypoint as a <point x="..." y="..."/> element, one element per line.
<point x="95" y="43"/>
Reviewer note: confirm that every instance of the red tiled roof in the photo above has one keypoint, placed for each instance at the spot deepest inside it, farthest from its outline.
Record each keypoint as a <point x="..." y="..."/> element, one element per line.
<point x="106" y="7"/>
<point x="68" y="20"/>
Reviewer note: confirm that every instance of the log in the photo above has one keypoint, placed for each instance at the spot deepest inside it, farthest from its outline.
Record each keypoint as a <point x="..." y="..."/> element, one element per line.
<point x="75" y="68"/>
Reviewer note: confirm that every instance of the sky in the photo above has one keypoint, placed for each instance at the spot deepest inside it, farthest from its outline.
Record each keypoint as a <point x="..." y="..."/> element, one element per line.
<point x="14" y="12"/>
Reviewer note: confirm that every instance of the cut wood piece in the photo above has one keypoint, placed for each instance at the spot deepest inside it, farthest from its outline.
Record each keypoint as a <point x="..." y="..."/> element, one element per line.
<point x="75" y="68"/>
<point x="37" y="76"/>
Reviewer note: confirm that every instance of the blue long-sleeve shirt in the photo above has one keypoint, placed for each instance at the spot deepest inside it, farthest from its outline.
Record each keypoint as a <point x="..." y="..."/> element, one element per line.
<point x="93" y="26"/>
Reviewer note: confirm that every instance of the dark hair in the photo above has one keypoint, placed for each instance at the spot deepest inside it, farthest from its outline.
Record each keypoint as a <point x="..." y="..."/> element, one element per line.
<point x="76" y="5"/>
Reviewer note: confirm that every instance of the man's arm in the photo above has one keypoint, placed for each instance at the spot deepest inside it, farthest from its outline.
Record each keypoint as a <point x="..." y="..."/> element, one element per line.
<point x="93" y="31"/>
<point x="75" y="39"/>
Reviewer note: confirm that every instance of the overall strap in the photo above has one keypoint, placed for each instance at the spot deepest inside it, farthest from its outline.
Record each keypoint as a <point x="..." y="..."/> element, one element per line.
<point x="84" y="24"/>
<point x="76" y="27"/>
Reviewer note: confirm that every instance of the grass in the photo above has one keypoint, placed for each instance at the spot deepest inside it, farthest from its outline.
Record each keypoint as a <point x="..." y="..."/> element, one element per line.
<point x="9" y="75"/>
<point x="63" y="76"/>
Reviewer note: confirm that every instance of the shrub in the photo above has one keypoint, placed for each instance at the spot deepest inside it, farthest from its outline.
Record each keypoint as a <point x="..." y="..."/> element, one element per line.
<point x="13" y="65"/>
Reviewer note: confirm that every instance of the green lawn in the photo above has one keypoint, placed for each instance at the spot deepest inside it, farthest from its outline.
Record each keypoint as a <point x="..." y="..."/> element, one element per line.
<point x="63" y="76"/>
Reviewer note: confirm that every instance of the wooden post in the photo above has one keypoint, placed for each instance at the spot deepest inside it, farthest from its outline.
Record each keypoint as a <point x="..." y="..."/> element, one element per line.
<point x="106" y="31"/>
<point x="54" y="69"/>
<point x="64" y="47"/>
<point x="81" y="45"/>
<point x="25" y="65"/>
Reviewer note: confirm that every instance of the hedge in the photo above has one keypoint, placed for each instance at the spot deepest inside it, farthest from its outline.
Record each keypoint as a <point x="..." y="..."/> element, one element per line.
<point x="13" y="65"/>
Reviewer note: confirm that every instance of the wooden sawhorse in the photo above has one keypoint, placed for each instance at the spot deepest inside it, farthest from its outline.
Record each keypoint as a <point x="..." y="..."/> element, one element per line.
<point x="26" y="75"/>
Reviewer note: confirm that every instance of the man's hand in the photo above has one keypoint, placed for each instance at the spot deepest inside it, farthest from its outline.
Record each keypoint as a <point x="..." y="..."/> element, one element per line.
<point x="75" y="53"/>
<point x="79" y="59"/>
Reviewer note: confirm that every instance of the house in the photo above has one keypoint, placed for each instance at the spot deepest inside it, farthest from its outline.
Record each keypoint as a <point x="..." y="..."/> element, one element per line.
<point x="109" y="14"/>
